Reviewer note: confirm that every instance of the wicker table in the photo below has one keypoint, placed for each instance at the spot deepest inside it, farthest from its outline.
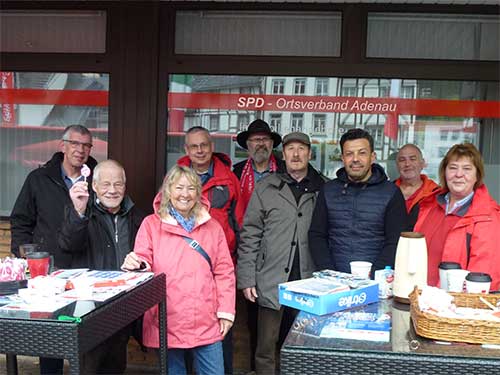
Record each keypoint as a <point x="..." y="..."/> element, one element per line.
<point x="46" y="338"/>
<point x="406" y="353"/>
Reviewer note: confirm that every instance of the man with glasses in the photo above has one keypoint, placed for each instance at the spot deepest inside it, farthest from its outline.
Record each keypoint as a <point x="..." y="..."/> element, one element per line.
<point x="99" y="232"/>
<point x="260" y="141"/>
<point x="39" y="209"/>
<point x="221" y="188"/>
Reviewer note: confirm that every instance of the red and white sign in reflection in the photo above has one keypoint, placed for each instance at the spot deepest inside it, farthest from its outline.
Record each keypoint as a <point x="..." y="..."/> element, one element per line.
<point x="8" y="114"/>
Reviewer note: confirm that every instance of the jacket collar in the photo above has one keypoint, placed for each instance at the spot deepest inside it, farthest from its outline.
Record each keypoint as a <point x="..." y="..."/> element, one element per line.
<point x="125" y="207"/>
<point x="378" y="176"/>
<point x="53" y="166"/>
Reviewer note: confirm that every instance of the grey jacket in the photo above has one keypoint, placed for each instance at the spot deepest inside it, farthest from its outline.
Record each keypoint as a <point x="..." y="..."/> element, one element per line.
<point x="273" y="226"/>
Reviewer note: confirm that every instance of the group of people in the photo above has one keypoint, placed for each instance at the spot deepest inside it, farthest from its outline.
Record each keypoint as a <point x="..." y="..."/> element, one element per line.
<point x="267" y="220"/>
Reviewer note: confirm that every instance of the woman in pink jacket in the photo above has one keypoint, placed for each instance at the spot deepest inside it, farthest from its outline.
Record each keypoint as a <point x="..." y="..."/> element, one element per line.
<point x="200" y="275"/>
<point x="461" y="221"/>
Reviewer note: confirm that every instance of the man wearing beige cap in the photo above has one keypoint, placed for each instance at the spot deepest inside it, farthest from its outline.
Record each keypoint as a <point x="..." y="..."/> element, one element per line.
<point x="273" y="247"/>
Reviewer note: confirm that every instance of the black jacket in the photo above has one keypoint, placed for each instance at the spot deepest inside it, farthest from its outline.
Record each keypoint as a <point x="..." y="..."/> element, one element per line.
<point x="357" y="221"/>
<point x="39" y="209"/>
<point x="100" y="240"/>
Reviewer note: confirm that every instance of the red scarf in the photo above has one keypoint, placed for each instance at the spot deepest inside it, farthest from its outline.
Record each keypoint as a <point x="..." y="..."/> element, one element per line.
<point x="247" y="180"/>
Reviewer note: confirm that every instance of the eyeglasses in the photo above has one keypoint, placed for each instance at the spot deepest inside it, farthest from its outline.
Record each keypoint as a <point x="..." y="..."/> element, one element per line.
<point x="76" y="144"/>
<point x="202" y="146"/>
<point x="259" y="140"/>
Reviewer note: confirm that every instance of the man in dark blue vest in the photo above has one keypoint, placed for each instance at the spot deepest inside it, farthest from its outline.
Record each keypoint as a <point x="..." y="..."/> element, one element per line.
<point x="360" y="214"/>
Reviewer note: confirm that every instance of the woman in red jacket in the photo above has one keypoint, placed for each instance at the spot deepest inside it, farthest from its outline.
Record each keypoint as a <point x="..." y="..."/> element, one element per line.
<point x="183" y="241"/>
<point x="461" y="221"/>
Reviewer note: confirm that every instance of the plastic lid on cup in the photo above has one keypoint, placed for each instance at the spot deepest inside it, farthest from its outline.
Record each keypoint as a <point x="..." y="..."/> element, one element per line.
<point x="478" y="277"/>
<point x="449" y="266"/>
<point x="38" y="255"/>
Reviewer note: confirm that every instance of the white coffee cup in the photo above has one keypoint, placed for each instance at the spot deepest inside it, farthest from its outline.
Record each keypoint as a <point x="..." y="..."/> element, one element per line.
<point x="477" y="282"/>
<point x="83" y="287"/>
<point x="361" y="269"/>
<point x="456" y="279"/>
<point x="444" y="267"/>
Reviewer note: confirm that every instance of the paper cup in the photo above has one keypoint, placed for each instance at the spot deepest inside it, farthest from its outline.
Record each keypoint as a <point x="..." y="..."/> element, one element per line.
<point x="477" y="282"/>
<point x="456" y="279"/>
<point x="361" y="269"/>
<point x="444" y="267"/>
<point x="83" y="288"/>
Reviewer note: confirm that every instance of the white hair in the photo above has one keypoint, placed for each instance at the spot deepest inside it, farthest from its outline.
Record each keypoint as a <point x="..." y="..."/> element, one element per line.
<point x="108" y="163"/>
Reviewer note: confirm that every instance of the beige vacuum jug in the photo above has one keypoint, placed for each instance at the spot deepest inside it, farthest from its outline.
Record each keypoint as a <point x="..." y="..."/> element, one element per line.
<point x="411" y="265"/>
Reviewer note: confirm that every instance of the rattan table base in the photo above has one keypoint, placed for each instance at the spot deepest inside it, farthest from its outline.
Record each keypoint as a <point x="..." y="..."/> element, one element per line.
<point x="55" y="339"/>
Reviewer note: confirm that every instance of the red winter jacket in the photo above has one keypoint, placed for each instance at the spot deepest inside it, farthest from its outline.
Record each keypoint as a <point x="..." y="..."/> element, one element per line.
<point x="222" y="190"/>
<point x="474" y="242"/>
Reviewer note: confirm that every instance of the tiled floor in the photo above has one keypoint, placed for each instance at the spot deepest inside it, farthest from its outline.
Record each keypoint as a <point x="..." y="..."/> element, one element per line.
<point x="145" y="363"/>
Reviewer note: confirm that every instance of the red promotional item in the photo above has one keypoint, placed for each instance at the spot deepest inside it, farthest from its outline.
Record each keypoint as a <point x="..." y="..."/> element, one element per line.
<point x="38" y="263"/>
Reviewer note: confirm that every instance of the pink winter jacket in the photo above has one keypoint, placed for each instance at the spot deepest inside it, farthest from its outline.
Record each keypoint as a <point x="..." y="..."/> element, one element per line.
<point x="196" y="296"/>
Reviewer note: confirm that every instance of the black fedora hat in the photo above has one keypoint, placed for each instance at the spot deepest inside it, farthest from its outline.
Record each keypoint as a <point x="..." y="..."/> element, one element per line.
<point x="257" y="126"/>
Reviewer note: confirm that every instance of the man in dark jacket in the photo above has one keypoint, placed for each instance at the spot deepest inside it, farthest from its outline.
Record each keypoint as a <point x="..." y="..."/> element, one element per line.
<point x="39" y="209"/>
<point x="99" y="234"/>
<point x="360" y="214"/>
<point x="274" y="247"/>
<point x="38" y="212"/>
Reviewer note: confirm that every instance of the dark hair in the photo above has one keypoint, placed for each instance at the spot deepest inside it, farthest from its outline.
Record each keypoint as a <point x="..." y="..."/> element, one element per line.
<point x="80" y="129"/>
<point x="458" y="151"/>
<point x="353" y="134"/>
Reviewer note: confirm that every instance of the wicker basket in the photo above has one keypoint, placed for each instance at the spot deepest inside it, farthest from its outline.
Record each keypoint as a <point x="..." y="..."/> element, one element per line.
<point x="451" y="329"/>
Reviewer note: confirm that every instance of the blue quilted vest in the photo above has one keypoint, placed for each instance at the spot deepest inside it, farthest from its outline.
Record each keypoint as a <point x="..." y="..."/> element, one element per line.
<point x="356" y="214"/>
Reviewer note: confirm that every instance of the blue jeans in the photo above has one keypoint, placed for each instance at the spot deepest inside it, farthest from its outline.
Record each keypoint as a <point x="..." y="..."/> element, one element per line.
<point x="208" y="360"/>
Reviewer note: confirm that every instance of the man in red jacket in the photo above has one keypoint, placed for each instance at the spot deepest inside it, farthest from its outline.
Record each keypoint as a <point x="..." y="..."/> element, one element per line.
<point x="221" y="188"/>
<point x="414" y="185"/>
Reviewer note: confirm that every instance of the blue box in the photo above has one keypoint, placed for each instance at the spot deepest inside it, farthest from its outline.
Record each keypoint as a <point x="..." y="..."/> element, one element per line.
<point x="325" y="303"/>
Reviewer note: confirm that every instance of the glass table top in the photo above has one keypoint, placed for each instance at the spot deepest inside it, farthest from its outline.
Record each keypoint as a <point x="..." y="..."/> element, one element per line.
<point x="311" y="332"/>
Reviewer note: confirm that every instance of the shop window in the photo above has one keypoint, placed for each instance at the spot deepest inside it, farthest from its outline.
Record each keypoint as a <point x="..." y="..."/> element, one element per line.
<point x="309" y="113"/>
<point x="258" y="33"/>
<point x="54" y="31"/>
<point x="433" y="36"/>
<point x="35" y="109"/>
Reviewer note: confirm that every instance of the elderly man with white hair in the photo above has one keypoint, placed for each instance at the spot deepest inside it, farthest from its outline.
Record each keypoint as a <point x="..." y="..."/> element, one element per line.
<point x="99" y="230"/>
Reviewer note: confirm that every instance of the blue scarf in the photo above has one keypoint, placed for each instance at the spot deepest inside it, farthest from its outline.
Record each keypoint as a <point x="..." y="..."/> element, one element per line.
<point x="187" y="224"/>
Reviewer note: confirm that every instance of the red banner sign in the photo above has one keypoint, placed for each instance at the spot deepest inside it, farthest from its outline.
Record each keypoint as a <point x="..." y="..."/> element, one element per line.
<point x="281" y="103"/>
<point x="342" y="104"/>
<point x="8" y="112"/>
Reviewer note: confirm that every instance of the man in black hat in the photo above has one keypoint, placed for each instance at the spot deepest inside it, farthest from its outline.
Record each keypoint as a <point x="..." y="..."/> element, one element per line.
<point x="260" y="141"/>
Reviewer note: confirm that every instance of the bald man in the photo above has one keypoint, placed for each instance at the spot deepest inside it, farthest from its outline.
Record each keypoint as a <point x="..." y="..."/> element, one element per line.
<point x="414" y="185"/>
<point x="98" y="232"/>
